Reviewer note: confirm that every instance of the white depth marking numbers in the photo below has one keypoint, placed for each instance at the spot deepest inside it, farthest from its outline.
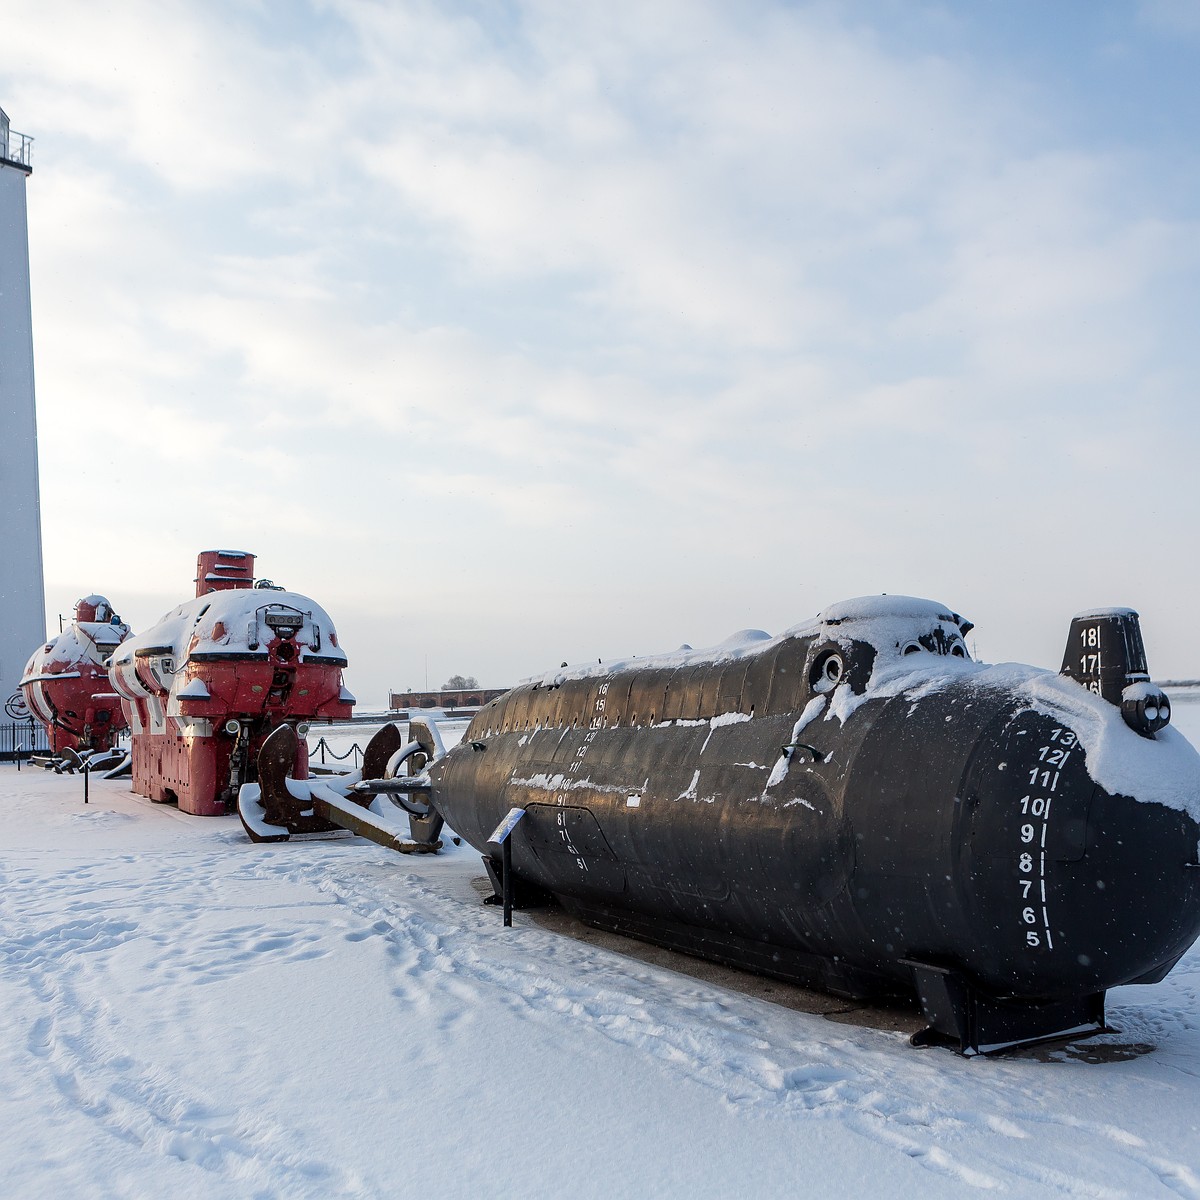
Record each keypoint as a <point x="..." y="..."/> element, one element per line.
<point x="597" y="722"/>
<point x="1032" y="831"/>
<point x="1089" y="660"/>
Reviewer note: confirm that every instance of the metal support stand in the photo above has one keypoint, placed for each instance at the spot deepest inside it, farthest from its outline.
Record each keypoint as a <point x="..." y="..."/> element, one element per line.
<point x="506" y="858"/>
<point x="87" y="774"/>
<point x="958" y="1013"/>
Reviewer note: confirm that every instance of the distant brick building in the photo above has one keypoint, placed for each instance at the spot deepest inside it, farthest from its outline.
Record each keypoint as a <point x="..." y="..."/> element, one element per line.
<point x="462" y="698"/>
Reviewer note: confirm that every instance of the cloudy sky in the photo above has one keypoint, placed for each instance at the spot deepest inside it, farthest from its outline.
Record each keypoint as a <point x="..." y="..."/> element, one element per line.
<point x="516" y="333"/>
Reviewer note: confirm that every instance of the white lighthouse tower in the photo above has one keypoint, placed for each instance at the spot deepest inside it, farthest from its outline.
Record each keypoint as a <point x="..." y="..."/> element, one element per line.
<point x="22" y="592"/>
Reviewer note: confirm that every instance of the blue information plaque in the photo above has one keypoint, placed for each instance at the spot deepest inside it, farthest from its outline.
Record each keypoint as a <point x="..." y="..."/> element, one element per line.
<point x="500" y="836"/>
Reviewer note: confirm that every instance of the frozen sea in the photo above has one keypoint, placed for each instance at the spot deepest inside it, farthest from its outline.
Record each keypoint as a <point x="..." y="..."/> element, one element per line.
<point x="186" y="1014"/>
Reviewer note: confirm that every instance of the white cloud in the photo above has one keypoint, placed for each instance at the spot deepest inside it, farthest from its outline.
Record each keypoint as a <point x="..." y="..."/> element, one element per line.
<point x="188" y="94"/>
<point x="678" y="308"/>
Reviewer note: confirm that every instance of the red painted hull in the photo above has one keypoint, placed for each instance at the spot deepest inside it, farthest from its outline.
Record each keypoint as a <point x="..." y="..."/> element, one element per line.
<point x="191" y="771"/>
<point x="66" y="685"/>
<point x="210" y="682"/>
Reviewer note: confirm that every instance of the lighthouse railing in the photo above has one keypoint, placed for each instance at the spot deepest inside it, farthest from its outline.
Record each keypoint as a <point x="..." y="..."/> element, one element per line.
<point x="16" y="148"/>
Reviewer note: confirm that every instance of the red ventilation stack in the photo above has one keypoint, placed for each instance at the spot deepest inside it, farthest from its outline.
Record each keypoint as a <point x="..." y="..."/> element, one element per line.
<point x="223" y="570"/>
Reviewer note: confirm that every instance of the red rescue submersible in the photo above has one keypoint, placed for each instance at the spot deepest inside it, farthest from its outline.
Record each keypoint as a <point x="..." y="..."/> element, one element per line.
<point x="854" y="805"/>
<point x="66" y="683"/>
<point x="216" y="675"/>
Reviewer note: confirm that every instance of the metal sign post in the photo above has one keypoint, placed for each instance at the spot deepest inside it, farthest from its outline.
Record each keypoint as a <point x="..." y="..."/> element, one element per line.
<point x="501" y="840"/>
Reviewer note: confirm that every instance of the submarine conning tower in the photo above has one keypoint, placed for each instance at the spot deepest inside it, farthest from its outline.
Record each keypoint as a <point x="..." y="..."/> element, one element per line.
<point x="96" y="609"/>
<point x="223" y="571"/>
<point x="1105" y="654"/>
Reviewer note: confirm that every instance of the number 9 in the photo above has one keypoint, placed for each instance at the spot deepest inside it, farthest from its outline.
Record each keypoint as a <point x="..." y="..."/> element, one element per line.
<point x="1027" y="833"/>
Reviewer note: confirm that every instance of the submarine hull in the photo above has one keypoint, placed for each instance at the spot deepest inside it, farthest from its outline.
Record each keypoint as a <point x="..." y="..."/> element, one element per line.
<point x="938" y="831"/>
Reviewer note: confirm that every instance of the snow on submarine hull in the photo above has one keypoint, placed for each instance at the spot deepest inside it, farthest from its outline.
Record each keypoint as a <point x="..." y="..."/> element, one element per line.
<point x="857" y="806"/>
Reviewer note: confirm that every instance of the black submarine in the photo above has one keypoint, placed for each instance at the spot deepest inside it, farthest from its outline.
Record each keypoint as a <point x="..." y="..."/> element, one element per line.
<point x="855" y="805"/>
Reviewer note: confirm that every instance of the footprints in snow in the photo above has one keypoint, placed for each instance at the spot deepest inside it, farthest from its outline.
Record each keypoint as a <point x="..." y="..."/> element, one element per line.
<point x="925" y="1108"/>
<point x="42" y="946"/>
<point x="79" y="1046"/>
<point x="209" y="956"/>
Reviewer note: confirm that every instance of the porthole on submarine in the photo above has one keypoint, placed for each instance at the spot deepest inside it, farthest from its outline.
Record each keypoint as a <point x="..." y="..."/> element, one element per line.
<point x="855" y="805"/>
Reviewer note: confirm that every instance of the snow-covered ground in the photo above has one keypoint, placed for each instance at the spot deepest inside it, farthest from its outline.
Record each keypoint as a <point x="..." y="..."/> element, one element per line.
<point x="187" y="1014"/>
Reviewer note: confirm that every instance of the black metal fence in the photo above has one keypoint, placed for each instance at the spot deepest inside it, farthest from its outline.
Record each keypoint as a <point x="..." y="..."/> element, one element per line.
<point x="28" y="736"/>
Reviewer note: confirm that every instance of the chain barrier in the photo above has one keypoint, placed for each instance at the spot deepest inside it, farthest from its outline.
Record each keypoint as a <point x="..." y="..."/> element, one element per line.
<point x="31" y="737"/>
<point x="323" y="746"/>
